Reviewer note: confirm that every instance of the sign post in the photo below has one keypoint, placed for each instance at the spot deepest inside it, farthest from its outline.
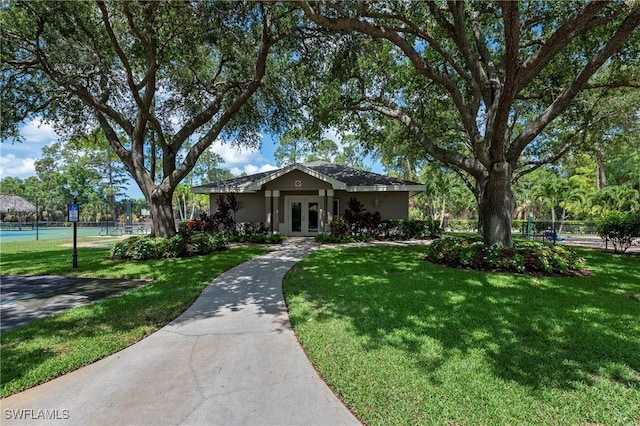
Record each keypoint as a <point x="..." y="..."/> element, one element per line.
<point x="74" y="214"/>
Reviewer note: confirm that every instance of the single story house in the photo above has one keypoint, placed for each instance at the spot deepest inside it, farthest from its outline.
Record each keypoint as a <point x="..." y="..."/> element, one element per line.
<point x="302" y="199"/>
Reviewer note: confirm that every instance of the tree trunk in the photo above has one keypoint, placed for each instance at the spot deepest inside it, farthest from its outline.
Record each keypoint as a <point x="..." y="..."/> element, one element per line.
<point x="162" y="218"/>
<point x="602" y="175"/>
<point x="496" y="209"/>
<point x="564" y="216"/>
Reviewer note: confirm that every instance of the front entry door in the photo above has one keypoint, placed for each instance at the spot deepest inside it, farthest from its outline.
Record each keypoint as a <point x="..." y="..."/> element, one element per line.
<point x="303" y="215"/>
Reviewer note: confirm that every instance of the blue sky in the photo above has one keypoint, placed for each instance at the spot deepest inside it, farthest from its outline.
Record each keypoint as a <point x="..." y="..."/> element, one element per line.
<point x="18" y="159"/>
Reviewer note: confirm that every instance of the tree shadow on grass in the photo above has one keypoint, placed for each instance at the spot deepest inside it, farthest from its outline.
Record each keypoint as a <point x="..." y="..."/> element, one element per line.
<point x="538" y="332"/>
<point x="110" y="324"/>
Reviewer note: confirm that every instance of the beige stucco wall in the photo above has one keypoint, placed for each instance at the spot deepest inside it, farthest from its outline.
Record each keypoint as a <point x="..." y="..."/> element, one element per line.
<point x="257" y="208"/>
<point x="288" y="182"/>
<point x="251" y="207"/>
<point x="391" y="205"/>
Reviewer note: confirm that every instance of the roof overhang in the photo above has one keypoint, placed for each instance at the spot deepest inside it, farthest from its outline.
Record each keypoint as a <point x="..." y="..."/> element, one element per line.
<point x="411" y="189"/>
<point x="256" y="186"/>
<point x="222" y="190"/>
<point x="335" y="184"/>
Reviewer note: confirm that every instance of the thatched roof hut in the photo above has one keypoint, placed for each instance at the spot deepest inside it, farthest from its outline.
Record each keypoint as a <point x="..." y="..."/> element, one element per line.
<point x="14" y="204"/>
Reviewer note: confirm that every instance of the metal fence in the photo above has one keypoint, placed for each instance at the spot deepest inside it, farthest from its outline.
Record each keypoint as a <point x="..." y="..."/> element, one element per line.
<point x="577" y="227"/>
<point x="31" y="215"/>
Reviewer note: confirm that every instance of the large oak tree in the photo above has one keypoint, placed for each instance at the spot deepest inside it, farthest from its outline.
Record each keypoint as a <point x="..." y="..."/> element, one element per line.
<point x="507" y="70"/>
<point x="152" y="74"/>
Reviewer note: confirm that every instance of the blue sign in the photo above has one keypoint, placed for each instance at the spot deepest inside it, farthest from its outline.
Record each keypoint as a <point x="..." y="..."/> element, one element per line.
<point x="74" y="213"/>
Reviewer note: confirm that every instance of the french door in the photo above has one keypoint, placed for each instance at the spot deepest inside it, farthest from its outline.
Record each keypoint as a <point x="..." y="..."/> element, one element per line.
<point x="303" y="215"/>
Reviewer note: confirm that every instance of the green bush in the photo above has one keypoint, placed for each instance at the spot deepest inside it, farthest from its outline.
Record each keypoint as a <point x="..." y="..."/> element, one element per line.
<point x="200" y="243"/>
<point x="338" y="228"/>
<point x="463" y="225"/>
<point x="180" y="245"/>
<point x="622" y="229"/>
<point x="177" y="246"/>
<point x="148" y="247"/>
<point x="528" y="256"/>
<point x="341" y="239"/>
<point x="412" y="229"/>
<point x="124" y="249"/>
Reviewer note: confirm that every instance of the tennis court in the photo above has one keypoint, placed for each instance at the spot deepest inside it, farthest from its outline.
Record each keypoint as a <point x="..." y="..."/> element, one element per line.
<point x="46" y="233"/>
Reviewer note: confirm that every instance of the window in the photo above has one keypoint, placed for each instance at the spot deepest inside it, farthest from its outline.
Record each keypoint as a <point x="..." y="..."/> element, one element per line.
<point x="336" y="207"/>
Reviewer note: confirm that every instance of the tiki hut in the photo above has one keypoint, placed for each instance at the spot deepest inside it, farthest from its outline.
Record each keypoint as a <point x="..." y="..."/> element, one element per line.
<point x="14" y="209"/>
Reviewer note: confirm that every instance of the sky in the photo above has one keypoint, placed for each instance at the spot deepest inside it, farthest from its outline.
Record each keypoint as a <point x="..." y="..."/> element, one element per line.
<point x="17" y="159"/>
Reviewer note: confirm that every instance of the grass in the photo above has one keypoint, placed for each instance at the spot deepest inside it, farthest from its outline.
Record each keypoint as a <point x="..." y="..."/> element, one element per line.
<point x="52" y="346"/>
<point x="408" y="342"/>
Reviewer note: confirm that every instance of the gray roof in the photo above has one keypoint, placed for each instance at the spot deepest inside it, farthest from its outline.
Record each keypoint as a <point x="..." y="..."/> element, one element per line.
<point x="355" y="177"/>
<point x="341" y="177"/>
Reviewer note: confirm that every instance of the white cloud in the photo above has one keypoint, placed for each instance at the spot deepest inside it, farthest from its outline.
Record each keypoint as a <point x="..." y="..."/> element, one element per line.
<point x="251" y="169"/>
<point x="236" y="156"/>
<point x="22" y="168"/>
<point x="35" y="131"/>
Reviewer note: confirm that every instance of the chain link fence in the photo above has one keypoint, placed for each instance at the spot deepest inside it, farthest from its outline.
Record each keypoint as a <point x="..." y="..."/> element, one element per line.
<point x="115" y="218"/>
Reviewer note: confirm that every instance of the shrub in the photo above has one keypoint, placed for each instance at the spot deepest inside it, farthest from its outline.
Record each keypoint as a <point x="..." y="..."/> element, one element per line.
<point x="341" y="239"/>
<point x="463" y="225"/>
<point x="149" y="248"/>
<point x="204" y="223"/>
<point x="204" y="243"/>
<point x="124" y="249"/>
<point x="338" y="227"/>
<point x="251" y="229"/>
<point x="222" y="216"/>
<point x="274" y="239"/>
<point x="139" y="248"/>
<point x="177" y="246"/>
<point x="526" y="256"/>
<point x="622" y="229"/>
<point x="412" y="229"/>
<point x="180" y="245"/>
<point x="354" y="216"/>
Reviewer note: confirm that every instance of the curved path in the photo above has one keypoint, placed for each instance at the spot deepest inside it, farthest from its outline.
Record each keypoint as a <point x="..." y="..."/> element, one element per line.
<point x="231" y="358"/>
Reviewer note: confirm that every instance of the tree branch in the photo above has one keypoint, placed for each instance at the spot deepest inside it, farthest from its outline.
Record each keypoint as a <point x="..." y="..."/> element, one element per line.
<point x="559" y="40"/>
<point x="416" y="59"/>
<point x="121" y="55"/>
<point x="259" y="72"/>
<point x="562" y="102"/>
<point x="391" y="110"/>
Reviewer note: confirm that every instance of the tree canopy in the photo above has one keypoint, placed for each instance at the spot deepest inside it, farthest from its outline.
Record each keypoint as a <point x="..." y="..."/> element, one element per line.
<point x="151" y="75"/>
<point x="493" y="90"/>
<point x="475" y="86"/>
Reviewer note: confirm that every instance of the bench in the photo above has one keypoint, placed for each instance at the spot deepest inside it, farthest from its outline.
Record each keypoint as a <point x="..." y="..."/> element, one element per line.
<point x="552" y="236"/>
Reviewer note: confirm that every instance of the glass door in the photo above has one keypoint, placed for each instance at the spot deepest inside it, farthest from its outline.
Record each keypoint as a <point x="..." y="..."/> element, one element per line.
<point x="312" y="216"/>
<point x="303" y="216"/>
<point x="296" y="216"/>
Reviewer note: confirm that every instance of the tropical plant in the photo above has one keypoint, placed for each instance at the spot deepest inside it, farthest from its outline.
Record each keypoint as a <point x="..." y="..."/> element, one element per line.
<point x="620" y="229"/>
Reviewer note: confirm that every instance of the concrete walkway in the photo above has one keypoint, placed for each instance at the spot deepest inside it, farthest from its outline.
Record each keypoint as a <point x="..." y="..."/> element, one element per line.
<point x="231" y="358"/>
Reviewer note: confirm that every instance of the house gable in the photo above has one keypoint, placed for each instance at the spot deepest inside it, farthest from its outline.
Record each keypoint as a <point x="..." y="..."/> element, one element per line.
<point x="336" y="177"/>
<point x="335" y="184"/>
<point x="297" y="180"/>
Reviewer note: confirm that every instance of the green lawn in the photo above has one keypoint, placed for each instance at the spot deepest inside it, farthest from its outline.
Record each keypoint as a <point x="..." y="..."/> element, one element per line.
<point x="408" y="342"/>
<point x="53" y="346"/>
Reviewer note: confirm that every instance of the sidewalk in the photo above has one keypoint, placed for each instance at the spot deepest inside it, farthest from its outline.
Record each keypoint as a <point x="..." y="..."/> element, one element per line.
<point x="231" y="358"/>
